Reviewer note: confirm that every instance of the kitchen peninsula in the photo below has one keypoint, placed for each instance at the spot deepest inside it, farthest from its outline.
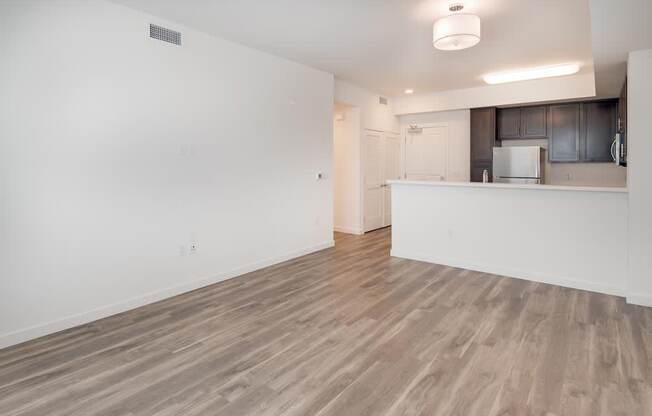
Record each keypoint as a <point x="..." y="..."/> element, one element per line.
<point x="569" y="236"/>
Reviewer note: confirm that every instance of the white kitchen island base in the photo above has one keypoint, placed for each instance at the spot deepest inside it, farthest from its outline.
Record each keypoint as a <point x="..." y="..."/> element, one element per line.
<point x="569" y="236"/>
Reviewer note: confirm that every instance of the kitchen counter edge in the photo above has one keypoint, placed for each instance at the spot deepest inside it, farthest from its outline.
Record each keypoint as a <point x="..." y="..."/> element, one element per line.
<point x="511" y="186"/>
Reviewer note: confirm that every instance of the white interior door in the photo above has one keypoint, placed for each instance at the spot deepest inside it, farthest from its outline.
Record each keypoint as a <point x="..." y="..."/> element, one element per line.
<point x="392" y="171"/>
<point x="426" y="154"/>
<point x="373" y="180"/>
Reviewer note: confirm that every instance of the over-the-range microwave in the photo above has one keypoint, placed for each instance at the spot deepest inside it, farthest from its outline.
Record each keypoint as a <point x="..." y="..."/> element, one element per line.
<point x="619" y="149"/>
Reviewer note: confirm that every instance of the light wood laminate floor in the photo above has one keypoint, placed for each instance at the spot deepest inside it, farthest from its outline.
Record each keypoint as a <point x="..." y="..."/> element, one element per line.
<point x="347" y="331"/>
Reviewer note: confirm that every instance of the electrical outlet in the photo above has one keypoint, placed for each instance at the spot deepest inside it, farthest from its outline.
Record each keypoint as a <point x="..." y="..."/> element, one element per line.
<point x="193" y="247"/>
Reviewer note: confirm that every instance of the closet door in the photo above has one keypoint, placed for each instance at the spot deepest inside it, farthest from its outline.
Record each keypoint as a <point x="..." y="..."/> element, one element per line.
<point x="392" y="171"/>
<point x="374" y="162"/>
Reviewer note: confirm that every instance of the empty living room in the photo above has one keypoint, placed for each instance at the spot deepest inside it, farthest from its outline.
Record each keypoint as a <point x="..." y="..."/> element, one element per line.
<point x="326" y="207"/>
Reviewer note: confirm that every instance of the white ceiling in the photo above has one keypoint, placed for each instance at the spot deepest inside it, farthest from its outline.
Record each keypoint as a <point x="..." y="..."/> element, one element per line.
<point x="386" y="45"/>
<point x="618" y="27"/>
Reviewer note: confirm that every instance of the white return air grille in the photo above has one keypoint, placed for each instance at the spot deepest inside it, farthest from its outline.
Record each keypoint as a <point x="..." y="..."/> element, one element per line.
<point x="166" y="35"/>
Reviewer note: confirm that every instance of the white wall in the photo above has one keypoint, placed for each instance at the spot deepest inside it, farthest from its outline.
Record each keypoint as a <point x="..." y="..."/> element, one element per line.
<point x="586" y="174"/>
<point x="541" y="90"/>
<point x="346" y="168"/>
<point x="459" y="139"/>
<point x="570" y="238"/>
<point x="117" y="151"/>
<point x="639" y="179"/>
<point x="372" y="116"/>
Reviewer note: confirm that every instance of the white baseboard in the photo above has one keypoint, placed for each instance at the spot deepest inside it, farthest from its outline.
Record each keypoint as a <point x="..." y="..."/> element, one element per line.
<point x="36" y="331"/>
<point x="639" y="300"/>
<point x="515" y="273"/>
<point x="348" y="230"/>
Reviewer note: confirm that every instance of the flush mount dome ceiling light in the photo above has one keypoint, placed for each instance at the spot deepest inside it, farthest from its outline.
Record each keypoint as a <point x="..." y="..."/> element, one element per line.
<point x="457" y="31"/>
<point x="531" y="73"/>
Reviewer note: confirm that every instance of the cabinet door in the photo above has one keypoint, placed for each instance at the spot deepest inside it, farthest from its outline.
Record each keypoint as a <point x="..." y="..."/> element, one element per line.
<point x="509" y="123"/>
<point x="598" y="131"/>
<point x="534" y="122"/>
<point x="564" y="132"/>
<point x="622" y="109"/>
<point x="622" y="123"/>
<point x="483" y="134"/>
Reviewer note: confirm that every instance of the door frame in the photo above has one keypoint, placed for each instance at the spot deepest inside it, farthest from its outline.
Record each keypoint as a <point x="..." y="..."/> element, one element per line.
<point x="363" y="159"/>
<point x="396" y="138"/>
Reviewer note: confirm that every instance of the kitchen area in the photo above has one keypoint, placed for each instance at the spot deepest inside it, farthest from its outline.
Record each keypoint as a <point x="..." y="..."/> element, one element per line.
<point x="547" y="199"/>
<point x="568" y="143"/>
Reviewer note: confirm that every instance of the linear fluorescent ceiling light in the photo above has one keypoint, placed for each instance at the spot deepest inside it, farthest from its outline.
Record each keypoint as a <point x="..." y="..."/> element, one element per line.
<point x="531" y="73"/>
<point x="409" y="91"/>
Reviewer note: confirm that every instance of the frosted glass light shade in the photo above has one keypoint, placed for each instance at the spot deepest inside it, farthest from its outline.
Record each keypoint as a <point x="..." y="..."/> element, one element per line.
<point x="455" y="32"/>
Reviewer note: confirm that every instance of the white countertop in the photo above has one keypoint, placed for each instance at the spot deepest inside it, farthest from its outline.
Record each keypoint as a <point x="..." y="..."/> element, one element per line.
<point x="511" y="186"/>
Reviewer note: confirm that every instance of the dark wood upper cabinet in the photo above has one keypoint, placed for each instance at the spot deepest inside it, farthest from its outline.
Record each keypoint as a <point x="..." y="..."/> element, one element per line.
<point x="622" y="110"/>
<point x="483" y="134"/>
<point x="522" y="123"/>
<point x="598" y="130"/>
<point x="576" y="132"/>
<point x="509" y="123"/>
<point x="483" y="140"/>
<point x="564" y="135"/>
<point x="621" y="125"/>
<point x="534" y="122"/>
<point x="582" y="132"/>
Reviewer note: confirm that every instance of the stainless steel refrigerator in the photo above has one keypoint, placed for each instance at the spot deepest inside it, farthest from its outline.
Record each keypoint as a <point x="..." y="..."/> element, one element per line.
<point x="519" y="164"/>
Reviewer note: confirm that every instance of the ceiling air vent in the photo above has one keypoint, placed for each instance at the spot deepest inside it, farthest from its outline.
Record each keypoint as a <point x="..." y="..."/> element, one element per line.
<point x="382" y="100"/>
<point x="166" y="35"/>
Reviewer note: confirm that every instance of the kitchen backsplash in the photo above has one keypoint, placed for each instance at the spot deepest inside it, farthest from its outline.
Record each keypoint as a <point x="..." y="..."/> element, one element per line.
<point x="578" y="174"/>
